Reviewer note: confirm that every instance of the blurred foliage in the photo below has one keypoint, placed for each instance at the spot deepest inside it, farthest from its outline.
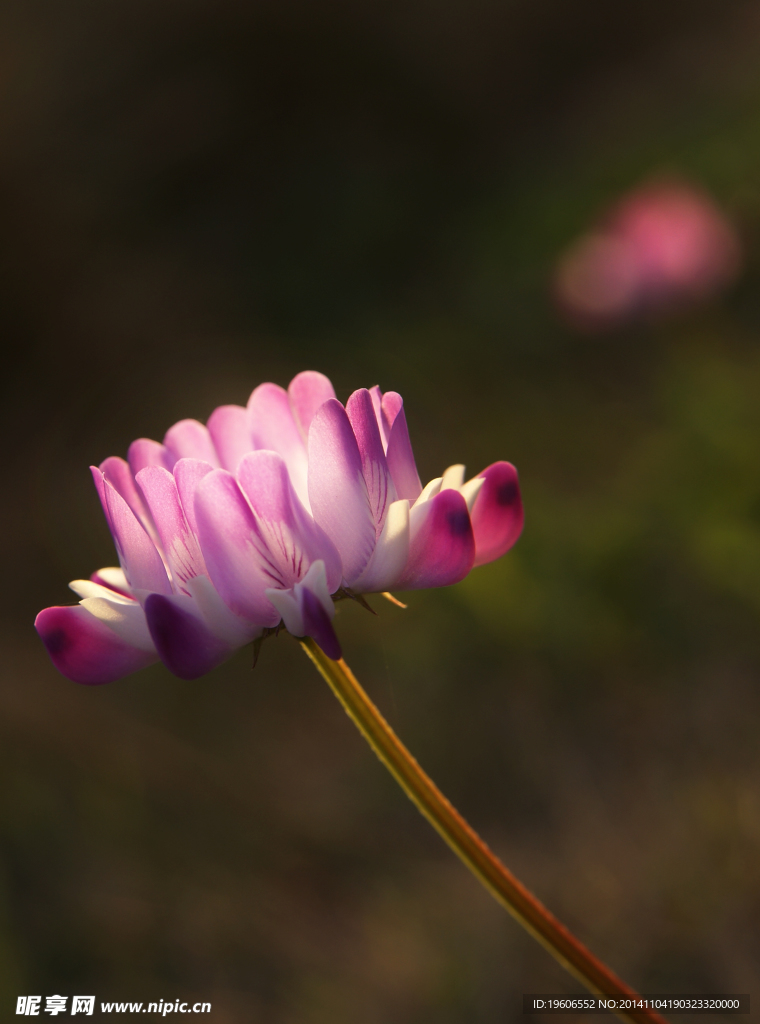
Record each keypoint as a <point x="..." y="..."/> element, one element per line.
<point x="199" y="197"/>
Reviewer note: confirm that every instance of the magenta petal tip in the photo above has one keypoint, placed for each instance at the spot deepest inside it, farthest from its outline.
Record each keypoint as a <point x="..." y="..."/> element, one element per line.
<point x="442" y="547"/>
<point x="497" y="515"/>
<point x="84" y="649"/>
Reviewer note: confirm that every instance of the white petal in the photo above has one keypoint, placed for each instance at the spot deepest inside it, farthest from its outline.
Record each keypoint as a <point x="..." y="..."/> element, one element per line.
<point x="418" y="513"/>
<point x="86" y="588"/>
<point x="429" y="491"/>
<point x="453" y="478"/>
<point x="114" y="577"/>
<point x="222" y="622"/>
<point x="126" y="619"/>
<point x="390" y="554"/>
<point x="471" y="490"/>
<point x="315" y="580"/>
<point x="288" y="605"/>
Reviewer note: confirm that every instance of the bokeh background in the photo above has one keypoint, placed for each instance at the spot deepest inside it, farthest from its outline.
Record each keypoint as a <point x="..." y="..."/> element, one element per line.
<point x="197" y="197"/>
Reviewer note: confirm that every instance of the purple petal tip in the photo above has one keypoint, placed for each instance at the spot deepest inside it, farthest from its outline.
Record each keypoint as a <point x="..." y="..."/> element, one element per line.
<point x="184" y="644"/>
<point x="317" y="624"/>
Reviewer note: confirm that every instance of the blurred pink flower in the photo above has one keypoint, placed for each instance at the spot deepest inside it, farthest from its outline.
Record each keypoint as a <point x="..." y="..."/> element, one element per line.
<point x="261" y="516"/>
<point x="664" y="246"/>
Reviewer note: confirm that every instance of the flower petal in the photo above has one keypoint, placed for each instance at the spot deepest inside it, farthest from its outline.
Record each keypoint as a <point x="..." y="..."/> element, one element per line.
<point x="113" y="578"/>
<point x="292" y="539"/>
<point x="180" y="545"/>
<point x="471" y="490"/>
<point x="139" y="558"/>
<point x="453" y="477"/>
<point x="228" y="537"/>
<point x="361" y="413"/>
<point x="84" y="649"/>
<point x="442" y="546"/>
<point x="391" y="552"/>
<point x="144" y="452"/>
<point x="288" y="605"/>
<point x="497" y="515"/>
<point x="307" y="391"/>
<point x="185" y="644"/>
<point x="338" y="493"/>
<point x="274" y="427"/>
<point x="400" y="456"/>
<point x="94" y="588"/>
<point x="118" y="473"/>
<point x="125" y="618"/>
<point x="230" y="430"/>
<point x="383" y="422"/>
<point x="307" y="610"/>
<point x="189" y="439"/>
<point x="121" y="613"/>
<point x="188" y="473"/>
<point x="317" y="623"/>
<point x="392" y="403"/>
<point x="223" y="623"/>
<point x="431" y="488"/>
<point x="315" y="580"/>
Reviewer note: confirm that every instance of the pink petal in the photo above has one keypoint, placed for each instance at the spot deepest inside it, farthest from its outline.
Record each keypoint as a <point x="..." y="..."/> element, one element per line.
<point x="317" y="623"/>
<point x="189" y="439"/>
<point x="84" y="649"/>
<point x="382" y="420"/>
<point x="442" y="545"/>
<point x="184" y="643"/>
<point x="337" y="490"/>
<point x="380" y="489"/>
<point x="392" y="404"/>
<point x="179" y="544"/>
<point x="230" y="430"/>
<point x="307" y="391"/>
<point x="292" y="539"/>
<point x="400" y="456"/>
<point x="188" y="473"/>
<point x="229" y="540"/>
<point x="497" y="515"/>
<point x="274" y="428"/>
<point x="139" y="558"/>
<point x="119" y="475"/>
<point x="145" y="452"/>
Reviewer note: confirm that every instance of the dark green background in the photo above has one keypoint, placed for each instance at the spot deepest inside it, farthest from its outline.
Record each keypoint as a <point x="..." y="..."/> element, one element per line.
<point x="197" y="197"/>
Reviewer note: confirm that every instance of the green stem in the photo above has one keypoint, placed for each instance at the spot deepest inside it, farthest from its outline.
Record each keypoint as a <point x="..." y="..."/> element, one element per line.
<point x="466" y="843"/>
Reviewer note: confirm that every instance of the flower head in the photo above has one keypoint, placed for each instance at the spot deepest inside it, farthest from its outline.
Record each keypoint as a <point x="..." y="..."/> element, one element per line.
<point x="665" y="245"/>
<point x="258" y="518"/>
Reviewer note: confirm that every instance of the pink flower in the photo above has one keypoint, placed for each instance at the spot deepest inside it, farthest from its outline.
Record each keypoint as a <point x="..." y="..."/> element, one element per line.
<point x="261" y="516"/>
<point x="664" y="246"/>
